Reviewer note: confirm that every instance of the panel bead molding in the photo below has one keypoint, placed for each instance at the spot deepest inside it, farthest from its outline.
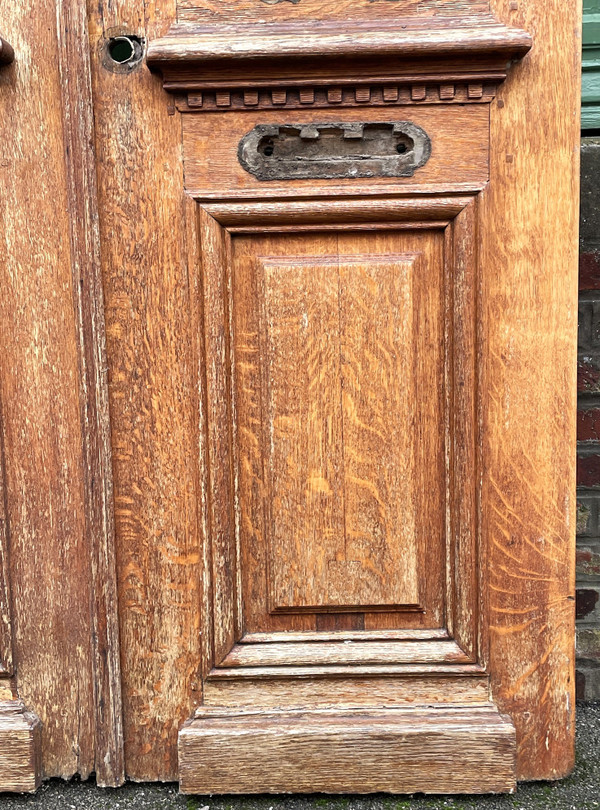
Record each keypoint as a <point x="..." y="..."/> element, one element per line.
<point x="291" y="66"/>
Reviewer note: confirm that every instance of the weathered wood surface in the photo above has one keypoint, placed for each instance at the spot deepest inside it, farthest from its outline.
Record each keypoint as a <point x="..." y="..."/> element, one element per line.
<point x="412" y="685"/>
<point x="346" y="634"/>
<point x="74" y="64"/>
<point x="20" y="748"/>
<point x="381" y="38"/>
<point x="523" y="389"/>
<point x="62" y="240"/>
<point x="342" y="525"/>
<point x="327" y="329"/>
<point x="344" y="652"/>
<point x="396" y="751"/>
<point x="248" y="447"/>
<point x="46" y="501"/>
<point x="152" y="371"/>
<point x="6" y="644"/>
<point x="529" y="260"/>
<point x="244" y="10"/>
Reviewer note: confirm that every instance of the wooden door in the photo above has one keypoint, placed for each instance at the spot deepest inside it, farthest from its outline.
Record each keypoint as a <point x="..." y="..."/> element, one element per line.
<point x="320" y="286"/>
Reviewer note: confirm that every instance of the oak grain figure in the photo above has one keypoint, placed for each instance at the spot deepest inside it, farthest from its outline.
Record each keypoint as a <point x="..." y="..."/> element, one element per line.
<point x="286" y="388"/>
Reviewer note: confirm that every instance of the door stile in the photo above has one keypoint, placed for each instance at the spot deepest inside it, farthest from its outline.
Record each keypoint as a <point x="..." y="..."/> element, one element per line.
<point x="79" y="136"/>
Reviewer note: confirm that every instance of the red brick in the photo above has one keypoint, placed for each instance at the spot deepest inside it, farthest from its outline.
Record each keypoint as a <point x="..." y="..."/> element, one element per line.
<point x="588" y="377"/>
<point x="588" y="425"/>
<point x="587" y="562"/>
<point x="588" y="643"/>
<point x="588" y="471"/>
<point x="584" y="520"/>
<point x="589" y="271"/>
<point x="586" y="601"/>
<point x="580" y="685"/>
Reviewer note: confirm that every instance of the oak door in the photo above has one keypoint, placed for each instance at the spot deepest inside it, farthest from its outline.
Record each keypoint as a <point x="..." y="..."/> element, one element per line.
<point x="313" y="267"/>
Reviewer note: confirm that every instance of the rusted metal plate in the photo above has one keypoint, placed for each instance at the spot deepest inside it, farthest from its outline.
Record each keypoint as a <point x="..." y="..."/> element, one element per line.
<point x="334" y="150"/>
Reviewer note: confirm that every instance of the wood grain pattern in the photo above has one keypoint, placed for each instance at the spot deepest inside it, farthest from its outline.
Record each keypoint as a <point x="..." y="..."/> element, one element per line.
<point x="152" y="367"/>
<point x="303" y="424"/>
<point x="396" y="751"/>
<point x="346" y="634"/>
<point x="204" y="361"/>
<point x="46" y="501"/>
<point x="463" y="345"/>
<point x="341" y="452"/>
<point x="529" y="301"/>
<point x="337" y="652"/>
<point x="295" y="673"/>
<point x="403" y="208"/>
<point x="20" y="748"/>
<point x="247" y="392"/>
<point x="224" y="615"/>
<point x="377" y="38"/>
<point x="449" y="685"/>
<point x="248" y="254"/>
<point x="209" y="10"/>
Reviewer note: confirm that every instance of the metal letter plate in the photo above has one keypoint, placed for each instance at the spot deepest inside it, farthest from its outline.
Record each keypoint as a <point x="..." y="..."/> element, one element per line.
<point x="334" y="151"/>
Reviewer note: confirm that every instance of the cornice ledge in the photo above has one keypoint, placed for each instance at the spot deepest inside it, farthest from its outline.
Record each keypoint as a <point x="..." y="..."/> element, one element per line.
<point x="230" y="45"/>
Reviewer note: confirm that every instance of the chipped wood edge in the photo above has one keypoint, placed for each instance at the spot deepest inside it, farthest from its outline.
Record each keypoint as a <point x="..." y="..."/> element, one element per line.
<point x="78" y="115"/>
<point x="20" y="748"/>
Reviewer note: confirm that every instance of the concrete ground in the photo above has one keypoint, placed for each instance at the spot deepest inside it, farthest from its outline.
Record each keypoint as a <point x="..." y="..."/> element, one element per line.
<point x="579" y="791"/>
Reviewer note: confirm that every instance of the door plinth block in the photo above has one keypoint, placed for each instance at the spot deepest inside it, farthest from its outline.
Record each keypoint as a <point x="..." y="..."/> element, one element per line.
<point x="352" y="751"/>
<point x="20" y="748"/>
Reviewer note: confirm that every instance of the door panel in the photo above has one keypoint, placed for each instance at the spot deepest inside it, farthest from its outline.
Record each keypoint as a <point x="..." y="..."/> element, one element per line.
<point x="340" y="348"/>
<point x="332" y="364"/>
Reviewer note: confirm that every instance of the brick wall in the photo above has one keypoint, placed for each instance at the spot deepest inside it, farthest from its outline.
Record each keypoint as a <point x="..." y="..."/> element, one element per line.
<point x="588" y="429"/>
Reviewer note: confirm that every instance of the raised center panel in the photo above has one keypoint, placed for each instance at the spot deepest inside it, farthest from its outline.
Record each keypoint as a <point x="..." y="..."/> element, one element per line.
<point x="339" y="356"/>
